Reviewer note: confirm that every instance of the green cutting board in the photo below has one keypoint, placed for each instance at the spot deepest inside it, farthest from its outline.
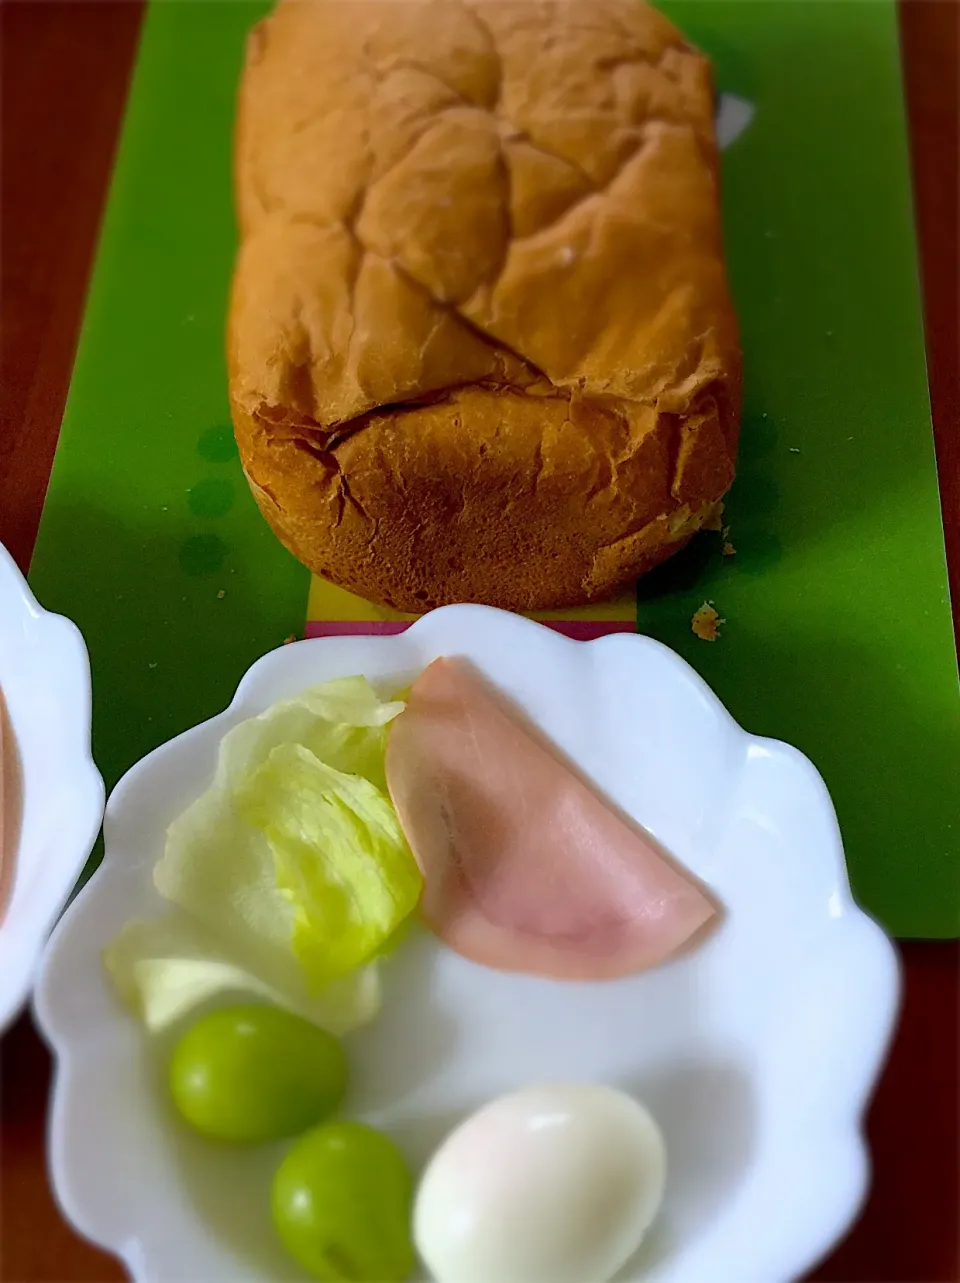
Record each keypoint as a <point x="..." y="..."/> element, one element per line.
<point x="837" y="635"/>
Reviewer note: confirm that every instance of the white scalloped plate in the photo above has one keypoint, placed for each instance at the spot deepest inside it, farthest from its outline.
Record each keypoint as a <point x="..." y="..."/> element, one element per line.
<point x="756" y="1052"/>
<point x="45" y="679"/>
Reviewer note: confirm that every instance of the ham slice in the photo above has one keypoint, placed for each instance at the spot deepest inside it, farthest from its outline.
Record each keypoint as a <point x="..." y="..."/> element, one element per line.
<point x="3" y="795"/>
<point x="525" y="868"/>
<point x="6" y="808"/>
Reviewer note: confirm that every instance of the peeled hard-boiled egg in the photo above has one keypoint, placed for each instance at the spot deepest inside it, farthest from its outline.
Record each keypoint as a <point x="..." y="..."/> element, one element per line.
<point x="551" y="1184"/>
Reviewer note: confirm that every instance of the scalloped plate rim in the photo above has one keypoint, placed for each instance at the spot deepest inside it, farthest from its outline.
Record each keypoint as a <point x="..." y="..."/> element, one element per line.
<point x="848" y="1141"/>
<point x="84" y="786"/>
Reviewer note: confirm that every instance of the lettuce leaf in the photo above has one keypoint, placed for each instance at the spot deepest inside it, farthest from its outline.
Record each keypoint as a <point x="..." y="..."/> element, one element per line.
<point x="164" y="967"/>
<point x="341" y="858"/>
<point x="291" y="870"/>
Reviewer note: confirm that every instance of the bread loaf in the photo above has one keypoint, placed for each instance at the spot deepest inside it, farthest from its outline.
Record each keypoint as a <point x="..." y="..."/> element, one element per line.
<point x="481" y="346"/>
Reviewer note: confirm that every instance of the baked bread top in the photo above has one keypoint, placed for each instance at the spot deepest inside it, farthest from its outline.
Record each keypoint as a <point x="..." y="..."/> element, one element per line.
<point x="513" y="203"/>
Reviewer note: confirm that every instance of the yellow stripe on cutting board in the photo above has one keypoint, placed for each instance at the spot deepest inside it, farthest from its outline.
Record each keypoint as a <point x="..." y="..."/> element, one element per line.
<point x="328" y="603"/>
<point x="617" y="609"/>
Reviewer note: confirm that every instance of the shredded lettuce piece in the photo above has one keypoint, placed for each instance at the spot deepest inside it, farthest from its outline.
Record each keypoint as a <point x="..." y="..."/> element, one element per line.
<point x="164" y="967"/>
<point x="291" y="870"/>
<point x="341" y="857"/>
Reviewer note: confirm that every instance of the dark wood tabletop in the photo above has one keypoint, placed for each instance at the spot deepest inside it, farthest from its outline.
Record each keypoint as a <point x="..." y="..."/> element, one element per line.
<point x="65" y="68"/>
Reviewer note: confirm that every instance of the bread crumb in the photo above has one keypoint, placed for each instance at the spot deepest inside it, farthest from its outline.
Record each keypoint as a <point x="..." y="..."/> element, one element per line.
<point x="713" y="520"/>
<point x="291" y="638"/>
<point x="706" y="623"/>
<point x="728" y="549"/>
<point x="220" y="595"/>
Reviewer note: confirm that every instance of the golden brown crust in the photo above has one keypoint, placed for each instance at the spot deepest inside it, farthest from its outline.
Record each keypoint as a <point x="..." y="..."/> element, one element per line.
<point x="481" y="346"/>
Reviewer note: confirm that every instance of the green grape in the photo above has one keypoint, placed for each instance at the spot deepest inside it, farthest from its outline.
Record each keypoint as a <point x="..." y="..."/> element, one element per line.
<point x="256" y="1073"/>
<point x="342" y="1202"/>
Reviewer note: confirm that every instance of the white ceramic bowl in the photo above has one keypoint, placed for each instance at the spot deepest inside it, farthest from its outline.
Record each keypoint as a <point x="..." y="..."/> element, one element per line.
<point x="45" y="678"/>
<point x="756" y="1052"/>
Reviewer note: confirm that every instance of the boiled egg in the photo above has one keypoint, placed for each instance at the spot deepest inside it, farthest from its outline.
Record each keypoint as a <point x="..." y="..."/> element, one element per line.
<point x="550" y="1184"/>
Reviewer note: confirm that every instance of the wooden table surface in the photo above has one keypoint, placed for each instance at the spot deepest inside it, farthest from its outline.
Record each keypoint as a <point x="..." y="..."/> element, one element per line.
<point x="65" y="68"/>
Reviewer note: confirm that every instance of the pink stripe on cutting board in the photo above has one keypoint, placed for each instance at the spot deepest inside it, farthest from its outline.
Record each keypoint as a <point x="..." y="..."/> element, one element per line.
<point x="578" y="629"/>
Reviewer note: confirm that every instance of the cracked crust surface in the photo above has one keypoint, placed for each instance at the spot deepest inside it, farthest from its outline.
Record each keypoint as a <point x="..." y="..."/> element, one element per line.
<point x="481" y="346"/>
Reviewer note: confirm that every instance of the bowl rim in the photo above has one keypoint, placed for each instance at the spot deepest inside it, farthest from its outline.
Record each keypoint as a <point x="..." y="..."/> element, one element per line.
<point x="851" y="1146"/>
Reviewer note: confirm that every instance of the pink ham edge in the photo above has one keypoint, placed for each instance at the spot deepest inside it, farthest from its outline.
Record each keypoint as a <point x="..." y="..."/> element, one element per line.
<point x="6" y="791"/>
<point x="525" y="868"/>
<point x="3" y="797"/>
